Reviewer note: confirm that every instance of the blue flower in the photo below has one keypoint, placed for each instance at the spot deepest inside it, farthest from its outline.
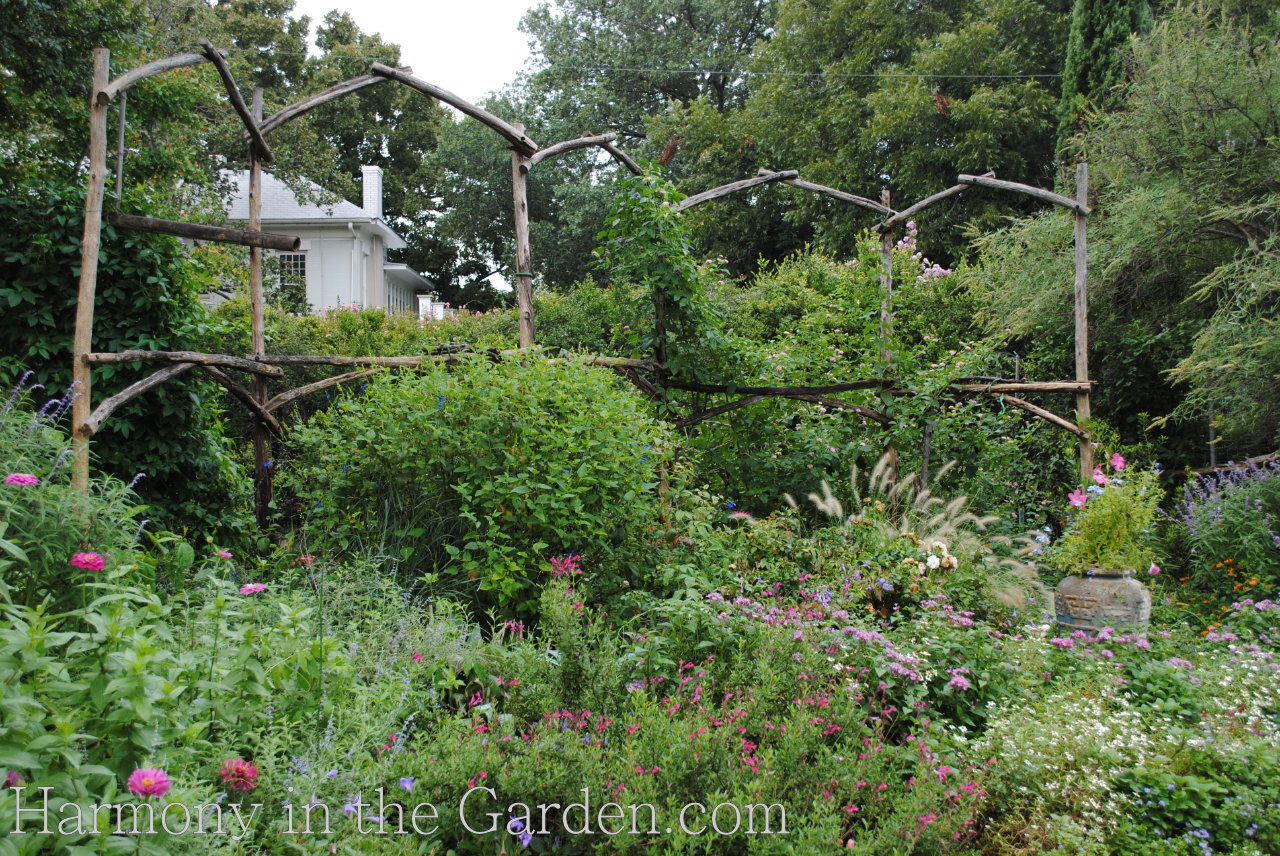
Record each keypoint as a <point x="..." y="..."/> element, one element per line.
<point x="406" y="782"/>
<point x="731" y="505"/>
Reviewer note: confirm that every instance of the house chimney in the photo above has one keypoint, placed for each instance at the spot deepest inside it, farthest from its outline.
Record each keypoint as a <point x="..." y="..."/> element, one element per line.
<point x="372" y="181"/>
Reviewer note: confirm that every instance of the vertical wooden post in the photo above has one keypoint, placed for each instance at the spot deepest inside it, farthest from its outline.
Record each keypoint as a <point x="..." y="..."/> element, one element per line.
<point x="886" y="316"/>
<point x="124" y="100"/>
<point x="524" y="255"/>
<point x="886" y="283"/>
<point x="1082" y="317"/>
<point x="89" y="247"/>
<point x="262" y="482"/>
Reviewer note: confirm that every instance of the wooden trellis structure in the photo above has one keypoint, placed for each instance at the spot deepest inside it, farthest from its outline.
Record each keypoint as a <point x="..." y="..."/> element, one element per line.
<point x="887" y="227"/>
<point x="261" y="366"/>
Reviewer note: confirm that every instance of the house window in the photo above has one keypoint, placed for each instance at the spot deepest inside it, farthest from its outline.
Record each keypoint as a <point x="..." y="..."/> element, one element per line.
<point x="291" y="283"/>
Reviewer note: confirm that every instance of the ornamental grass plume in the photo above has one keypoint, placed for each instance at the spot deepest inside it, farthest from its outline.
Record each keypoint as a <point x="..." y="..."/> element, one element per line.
<point x="908" y="510"/>
<point x="239" y="774"/>
<point x="88" y="562"/>
<point x="149" y="783"/>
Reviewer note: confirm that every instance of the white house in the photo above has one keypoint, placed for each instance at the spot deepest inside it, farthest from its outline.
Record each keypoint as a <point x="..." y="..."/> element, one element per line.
<point x="343" y="257"/>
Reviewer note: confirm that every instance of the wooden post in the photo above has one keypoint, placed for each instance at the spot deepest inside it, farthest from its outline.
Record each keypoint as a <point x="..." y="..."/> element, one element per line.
<point x="886" y="283"/>
<point x="89" y="246"/>
<point x="1082" y="316"/>
<point x="262" y="482"/>
<point x="886" y="315"/>
<point x="524" y="255"/>
<point x="124" y="99"/>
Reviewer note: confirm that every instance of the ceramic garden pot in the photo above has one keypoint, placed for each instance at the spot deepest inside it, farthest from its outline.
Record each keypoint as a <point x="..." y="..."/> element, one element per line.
<point x="1102" y="598"/>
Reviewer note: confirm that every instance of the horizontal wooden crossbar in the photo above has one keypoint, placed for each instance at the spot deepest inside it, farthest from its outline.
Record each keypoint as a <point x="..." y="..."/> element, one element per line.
<point x="201" y="232"/>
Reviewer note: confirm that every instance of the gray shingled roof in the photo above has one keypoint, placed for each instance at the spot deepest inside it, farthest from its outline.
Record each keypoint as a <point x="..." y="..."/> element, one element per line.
<point x="279" y="203"/>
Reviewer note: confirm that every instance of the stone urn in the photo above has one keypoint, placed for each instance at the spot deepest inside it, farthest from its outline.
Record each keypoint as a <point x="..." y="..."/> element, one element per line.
<point x="1102" y="598"/>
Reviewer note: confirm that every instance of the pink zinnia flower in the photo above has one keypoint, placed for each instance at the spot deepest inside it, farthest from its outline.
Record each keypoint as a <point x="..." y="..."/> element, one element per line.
<point x="239" y="774"/>
<point x="149" y="783"/>
<point x="1117" y="462"/>
<point x="1077" y="498"/>
<point x="88" y="562"/>
<point x="22" y="479"/>
<point x="223" y="554"/>
<point x="252" y="588"/>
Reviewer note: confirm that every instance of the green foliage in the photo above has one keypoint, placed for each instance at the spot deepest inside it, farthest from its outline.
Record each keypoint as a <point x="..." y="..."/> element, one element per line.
<point x="646" y="242"/>
<point x="1181" y="303"/>
<point x="475" y="475"/>
<point x="1111" y="531"/>
<point x="146" y="300"/>
<point x="1094" y="67"/>
<point x="47" y="523"/>
<point x="921" y="95"/>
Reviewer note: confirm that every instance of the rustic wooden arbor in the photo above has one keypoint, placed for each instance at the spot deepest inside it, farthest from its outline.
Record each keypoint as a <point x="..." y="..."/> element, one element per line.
<point x="86" y="421"/>
<point x="887" y="228"/>
<point x="525" y="155"/>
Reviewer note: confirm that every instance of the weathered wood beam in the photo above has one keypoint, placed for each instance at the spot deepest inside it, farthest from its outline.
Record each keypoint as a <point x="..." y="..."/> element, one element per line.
<point x="201" y="232"/>
<point x="91" y="241"/>
<point x="1238" y="465"/>
<point x="338" y="90"/>
<point x="237" y="101"/>
<point x="703" y="415"/>
<point x="1046" y="415"/>
<point x="524" y="252"/>
<point x="776" y="390"/>
<point x="409" y="362"/>
<point x="1024" y="386"/>
<point x="245" y="396"/>
<point x="585" y="141"/>
<point x="1081" y="287"/>
<point x="1037" y="192"/>
<point x="195" y="357"/>
<point x="327" y="360"/>
<point x="839" y="195"/>
<point x="142" y="72"/>
<point x="278" y="401"/>
<point x="907" y="213"/>
<point x="503" y="129"/>
<point x="733" y="187"/>
<point x="623" y="158"/>
<point x="104" y="410"/>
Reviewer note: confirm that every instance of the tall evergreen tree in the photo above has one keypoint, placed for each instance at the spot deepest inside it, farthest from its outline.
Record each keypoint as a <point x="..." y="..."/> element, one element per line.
<point x="1094" y="64"/>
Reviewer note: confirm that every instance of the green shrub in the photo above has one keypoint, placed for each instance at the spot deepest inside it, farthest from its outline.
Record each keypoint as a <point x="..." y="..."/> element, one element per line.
<point x="474" y="475"/>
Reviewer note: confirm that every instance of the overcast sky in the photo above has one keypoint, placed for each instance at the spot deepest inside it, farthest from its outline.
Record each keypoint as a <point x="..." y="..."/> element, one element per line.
<point x="470" y="47"/>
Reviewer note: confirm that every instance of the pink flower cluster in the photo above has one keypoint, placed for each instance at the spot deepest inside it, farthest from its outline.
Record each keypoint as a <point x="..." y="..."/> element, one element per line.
<point x="252" y="588"/>
<point x="22" y="479"/>
<point x="239" y="774"/>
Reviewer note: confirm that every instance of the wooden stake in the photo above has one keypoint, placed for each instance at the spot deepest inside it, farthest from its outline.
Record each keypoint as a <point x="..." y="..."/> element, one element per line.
<point x="886" y="284"/>
<point x="124" y="96"/>
<point x="262" y="482"/>
<point x="886" y="313"/>
<point x="89" y="245"/>
<point x="1082" y="315"/>
<point x="524" y="255"/>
